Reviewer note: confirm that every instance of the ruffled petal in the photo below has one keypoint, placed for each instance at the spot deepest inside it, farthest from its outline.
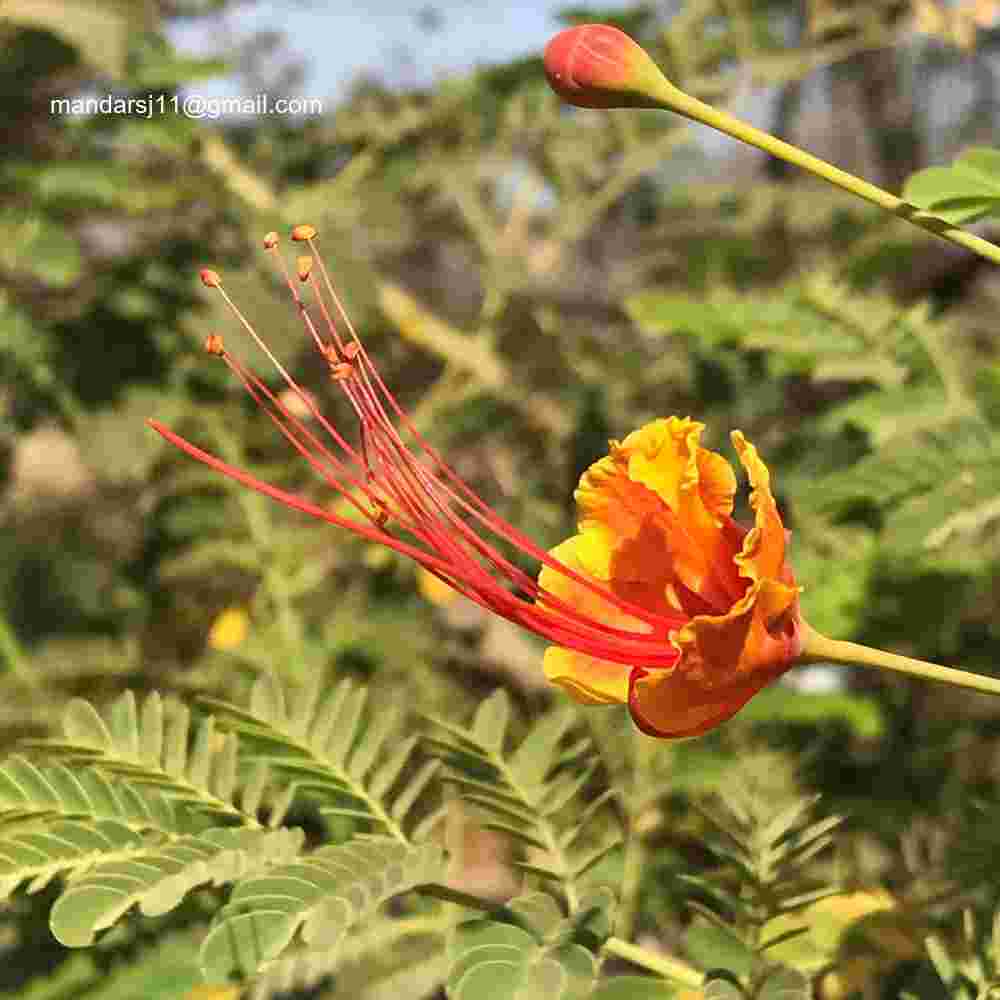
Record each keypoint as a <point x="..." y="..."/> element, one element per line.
<point x="724" y="661"/>
<point x="658" y="509"/>
<point x="761" y="631"/>
<point x="669" y="705"/>
<point x="763" y="554"/>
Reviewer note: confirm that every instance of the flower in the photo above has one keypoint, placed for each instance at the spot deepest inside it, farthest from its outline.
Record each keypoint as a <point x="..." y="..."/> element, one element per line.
<point x="662" y="601"/>
<point x="655" y="528"/>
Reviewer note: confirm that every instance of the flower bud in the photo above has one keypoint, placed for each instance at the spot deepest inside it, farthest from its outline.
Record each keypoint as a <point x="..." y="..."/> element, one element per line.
<point x="304" y="232"/>
<point x="598" y="66"/>
<point x="209" y="278"/>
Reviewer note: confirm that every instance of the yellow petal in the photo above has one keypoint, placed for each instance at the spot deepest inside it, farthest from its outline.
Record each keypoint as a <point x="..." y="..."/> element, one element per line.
<point x="585" y="678"/>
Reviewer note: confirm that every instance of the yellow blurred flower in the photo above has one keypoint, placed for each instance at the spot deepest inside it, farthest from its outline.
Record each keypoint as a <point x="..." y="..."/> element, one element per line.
<point x="229" y="629"/>
<point x="432" y="588"/>
<point x="210" y="992"/>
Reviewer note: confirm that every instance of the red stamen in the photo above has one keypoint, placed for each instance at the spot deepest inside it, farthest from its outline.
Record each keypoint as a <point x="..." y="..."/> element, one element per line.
<point x="385" y="478"/>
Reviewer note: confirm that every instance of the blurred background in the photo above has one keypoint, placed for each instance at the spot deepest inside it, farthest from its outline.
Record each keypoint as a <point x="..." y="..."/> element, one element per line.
<point x="533" y="280"/>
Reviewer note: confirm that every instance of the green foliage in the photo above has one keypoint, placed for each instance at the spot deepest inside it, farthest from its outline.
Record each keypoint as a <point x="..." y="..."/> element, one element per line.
<point x="322" y="744"/>
<point x="772" y="846"/>
<point x="156" y="747"/>
<point x="972" y="967"/>
<point x="489" y="958"/>
<point x="527" y="793"/>
<point x="156" y="878"/>
<point x="320" y="896"/>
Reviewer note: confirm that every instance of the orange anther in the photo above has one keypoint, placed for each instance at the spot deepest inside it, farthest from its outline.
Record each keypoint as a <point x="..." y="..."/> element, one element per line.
<point x="351" y="350"/>
<point x="342" y="371"/>
<point x="304" y="232"/>
<point x="303" y="266"/>
<point x="214" y="345"/>
<point x="209" y="278"/>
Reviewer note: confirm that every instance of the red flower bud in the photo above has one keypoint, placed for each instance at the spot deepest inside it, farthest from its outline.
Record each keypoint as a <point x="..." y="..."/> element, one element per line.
<point x="598" y="66"/>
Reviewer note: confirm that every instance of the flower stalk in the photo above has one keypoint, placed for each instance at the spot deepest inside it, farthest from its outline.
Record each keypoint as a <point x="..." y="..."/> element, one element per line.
<point x="818" y="648"/>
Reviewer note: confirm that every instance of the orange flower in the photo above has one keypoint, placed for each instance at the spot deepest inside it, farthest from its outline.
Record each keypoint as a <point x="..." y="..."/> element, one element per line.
<point x="655" y="529"/>
<point x="662" y="601"/>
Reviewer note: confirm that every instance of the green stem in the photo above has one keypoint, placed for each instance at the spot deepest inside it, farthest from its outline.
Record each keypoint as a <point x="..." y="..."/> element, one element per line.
<point x="670" y="968"/>
<point x="671" y="98"/>
<point x="819" y="649"/>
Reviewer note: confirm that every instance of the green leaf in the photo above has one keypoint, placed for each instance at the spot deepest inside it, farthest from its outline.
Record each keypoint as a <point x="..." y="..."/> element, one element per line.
<point x="539" y="910"/>
<point x="719" y="988"/>
<point x="503" y="962"/>
<point x="785" y="984"/>
<point x="635" y="988"/>
<point x="967" y="189"/>
<point x="83" y="725"/>
<point x="490" y="723"/>
<point x="533" y="758"/>
<point x="712" y="947"/>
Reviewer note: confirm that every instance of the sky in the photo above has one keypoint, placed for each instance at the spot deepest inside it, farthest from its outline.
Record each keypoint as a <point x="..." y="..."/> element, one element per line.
<point x="339" y="38"/>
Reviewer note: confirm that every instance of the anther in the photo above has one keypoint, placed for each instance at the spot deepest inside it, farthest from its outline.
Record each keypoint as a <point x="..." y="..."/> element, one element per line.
<point x="209" y="278"/>
<point x="380" y="515"/>
<point x="270" y="240"/>
<point x="214" y="345"/>
<point x="351" y="350"/>
<point x="303" y="266"/>
<point x="304" y="232"/>
<point x="342" y="371"/>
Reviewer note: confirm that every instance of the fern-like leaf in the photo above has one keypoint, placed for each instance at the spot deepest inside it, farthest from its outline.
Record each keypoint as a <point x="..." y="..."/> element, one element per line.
<point x="156" y="877"/>
<point x="524" y="794"/>
<point x="319" y="896"/>
<point x="36" y="791"/>
<point x="539" y="959"/>
<point x="330" y="748"/>
<point x="157" y="747"/>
